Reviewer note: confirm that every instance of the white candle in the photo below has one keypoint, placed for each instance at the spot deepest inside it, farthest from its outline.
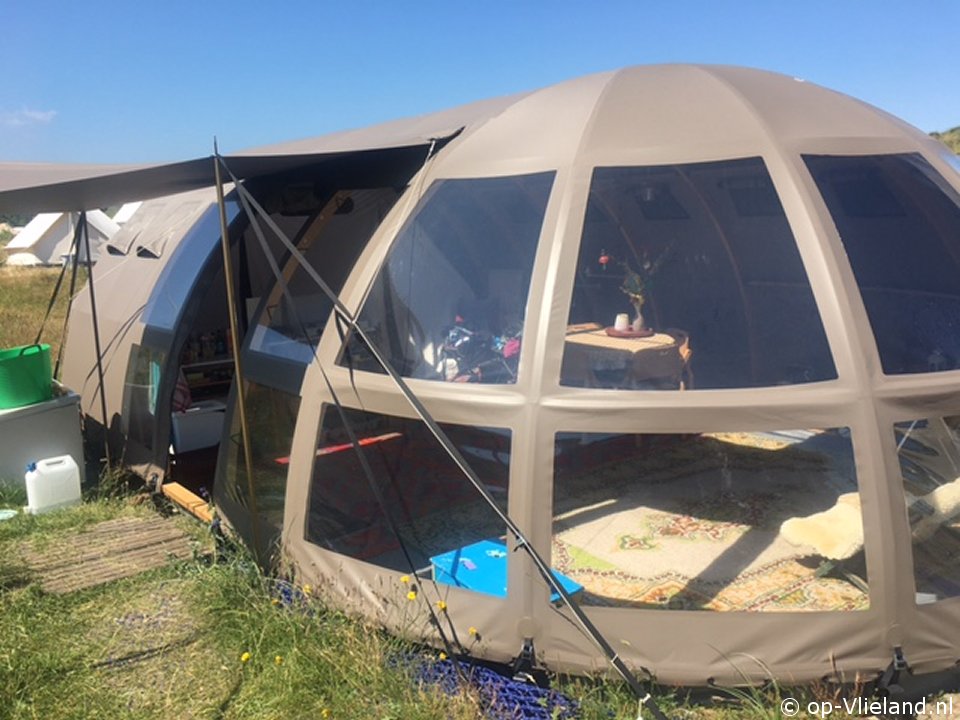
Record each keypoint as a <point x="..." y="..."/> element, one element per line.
<point x="622" y="322"/>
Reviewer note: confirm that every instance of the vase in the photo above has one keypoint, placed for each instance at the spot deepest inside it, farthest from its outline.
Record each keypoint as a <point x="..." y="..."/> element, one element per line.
<point x="637" y="324"/>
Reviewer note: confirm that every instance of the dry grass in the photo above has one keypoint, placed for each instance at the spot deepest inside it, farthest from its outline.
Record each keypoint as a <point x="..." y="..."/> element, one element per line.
<point x="24" y="296"/>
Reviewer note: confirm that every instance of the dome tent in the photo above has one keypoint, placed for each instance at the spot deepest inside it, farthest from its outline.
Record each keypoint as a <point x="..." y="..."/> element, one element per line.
<point x="765" y="466"/>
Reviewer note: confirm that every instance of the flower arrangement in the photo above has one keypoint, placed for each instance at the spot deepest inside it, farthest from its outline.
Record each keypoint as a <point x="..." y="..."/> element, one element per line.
<point x="635" y="285"/>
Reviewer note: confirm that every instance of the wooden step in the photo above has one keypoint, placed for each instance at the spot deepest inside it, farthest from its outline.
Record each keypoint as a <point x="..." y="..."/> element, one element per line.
<point x="193" y="504"/>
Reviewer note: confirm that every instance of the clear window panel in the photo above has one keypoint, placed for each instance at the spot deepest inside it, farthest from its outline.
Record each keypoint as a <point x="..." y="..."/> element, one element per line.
<point x="450" y="301"/>
<point x="141" y="394"/>
<point x="899" y="222"/>
<point x="416" y="501"/>
<point x="271" y="417"/>
<point x="331" y="239"/>
<point x="726" y="521"/>
<point x="929" y="454"/>
<point x="689" y="277"/>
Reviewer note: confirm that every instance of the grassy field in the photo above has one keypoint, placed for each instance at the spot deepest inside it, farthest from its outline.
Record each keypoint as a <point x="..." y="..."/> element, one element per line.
<point x="205" y="638"/>
<point x="24" y="296"/>
<point x="212" y="637"/>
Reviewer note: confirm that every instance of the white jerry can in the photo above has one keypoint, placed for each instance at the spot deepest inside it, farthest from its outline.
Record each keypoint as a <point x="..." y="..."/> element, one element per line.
<point x="52" y="483"/>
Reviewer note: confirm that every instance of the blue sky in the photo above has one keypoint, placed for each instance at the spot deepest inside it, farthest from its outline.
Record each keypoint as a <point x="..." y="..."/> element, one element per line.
<point x="148" y="81"/>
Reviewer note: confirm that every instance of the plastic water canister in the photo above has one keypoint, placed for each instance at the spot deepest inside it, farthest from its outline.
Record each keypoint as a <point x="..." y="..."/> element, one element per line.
<point x="52" y="483"/>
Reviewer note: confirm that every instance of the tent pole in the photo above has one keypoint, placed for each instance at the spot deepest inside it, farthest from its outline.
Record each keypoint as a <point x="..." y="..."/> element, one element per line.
<point x="341" y="311"/>
<point x="96" y="335"/>
<point x="237" y="342"/>
<point x="74" y="267"/>
<point x="74" y="246"/>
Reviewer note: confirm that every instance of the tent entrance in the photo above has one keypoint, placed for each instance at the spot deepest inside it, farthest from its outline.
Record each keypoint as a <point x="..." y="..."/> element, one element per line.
<point x="279" y="344"/>
<point x="201" y="391"/>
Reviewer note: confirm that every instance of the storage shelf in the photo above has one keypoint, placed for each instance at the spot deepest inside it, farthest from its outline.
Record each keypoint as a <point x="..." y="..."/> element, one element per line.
<point x="213" y="362"/>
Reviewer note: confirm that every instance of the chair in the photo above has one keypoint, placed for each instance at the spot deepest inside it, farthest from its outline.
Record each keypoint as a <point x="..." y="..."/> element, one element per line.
<point x="666" y="369"/>
<point x="685" y="379"/>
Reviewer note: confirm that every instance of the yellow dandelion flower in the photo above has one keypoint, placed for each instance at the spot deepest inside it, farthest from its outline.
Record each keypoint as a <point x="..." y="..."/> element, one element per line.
<point x="405" y="579"/>
<point x="274" y="602"/>
<point x="442" y="656"/>
<point x="441" y="605"/>
<point x="473" y="631"/>
<point x="325" y="713"/>
<point x="245" y="657"/>
<point x="412" y="595"/>
<point x="278" y="660"/>
<point x="307" y="589"/>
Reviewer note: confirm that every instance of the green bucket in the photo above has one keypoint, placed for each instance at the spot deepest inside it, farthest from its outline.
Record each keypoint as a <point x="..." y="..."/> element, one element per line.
<point x="25" y="376"/>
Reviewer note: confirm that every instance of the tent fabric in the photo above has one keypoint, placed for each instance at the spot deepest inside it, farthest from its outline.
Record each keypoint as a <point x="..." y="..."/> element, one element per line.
<point x="125" y="283"/>
<point x="29" y="188"/>
<point x="126" y="211"/>
<point x="587" y="470"/>
<point x="650" y="117"/>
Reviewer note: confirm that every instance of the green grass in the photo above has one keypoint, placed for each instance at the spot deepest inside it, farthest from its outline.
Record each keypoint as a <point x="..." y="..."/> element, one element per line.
<point x="206" y="638"/>
<point x="171" y="643"/>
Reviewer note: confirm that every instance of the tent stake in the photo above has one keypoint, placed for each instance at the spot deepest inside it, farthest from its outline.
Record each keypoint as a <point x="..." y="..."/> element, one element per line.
<point x="237" y="342"/>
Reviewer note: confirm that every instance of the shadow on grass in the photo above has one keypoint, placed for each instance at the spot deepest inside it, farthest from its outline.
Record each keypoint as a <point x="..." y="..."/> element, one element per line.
<point x="228" y="700"/>
<point x="145" y="654"/>
<point x="14" y="576"/>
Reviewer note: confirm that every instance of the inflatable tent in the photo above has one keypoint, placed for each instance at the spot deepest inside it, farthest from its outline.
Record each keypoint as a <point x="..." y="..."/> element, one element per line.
<point x="695" y="330"/>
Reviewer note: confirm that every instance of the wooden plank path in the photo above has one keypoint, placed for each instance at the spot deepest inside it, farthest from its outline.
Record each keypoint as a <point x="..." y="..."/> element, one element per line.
<point x="108" y="551"/>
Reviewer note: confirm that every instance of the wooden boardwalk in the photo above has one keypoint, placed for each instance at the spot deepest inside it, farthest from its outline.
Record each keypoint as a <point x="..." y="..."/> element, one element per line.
<point x="108" y="551"/>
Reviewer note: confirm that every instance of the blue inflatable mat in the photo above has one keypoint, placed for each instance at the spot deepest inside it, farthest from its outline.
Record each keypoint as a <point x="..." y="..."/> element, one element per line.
<point x="501" y="698"/>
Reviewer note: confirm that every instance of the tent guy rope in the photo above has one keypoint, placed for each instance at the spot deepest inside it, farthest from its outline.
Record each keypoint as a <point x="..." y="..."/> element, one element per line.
<point x="589" y="629"/>
<point x="354" y="441"/>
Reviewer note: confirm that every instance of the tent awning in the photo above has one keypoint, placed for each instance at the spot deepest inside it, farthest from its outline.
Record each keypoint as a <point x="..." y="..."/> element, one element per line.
<point x="32" y="188"/>
<point x="28" y="188"/>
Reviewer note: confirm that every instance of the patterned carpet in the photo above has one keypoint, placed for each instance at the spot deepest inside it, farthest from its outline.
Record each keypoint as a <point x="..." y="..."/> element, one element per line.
<point x="657" y="521"/>
<point x="695" y="525"/>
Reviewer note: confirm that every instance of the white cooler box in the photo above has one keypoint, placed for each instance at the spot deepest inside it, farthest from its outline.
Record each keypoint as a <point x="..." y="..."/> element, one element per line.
<point x="42" y="430"/>
<point x="199" y="426"/>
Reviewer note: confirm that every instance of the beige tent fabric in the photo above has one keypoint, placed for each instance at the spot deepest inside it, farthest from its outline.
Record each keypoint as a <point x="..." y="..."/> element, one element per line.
<point x="652" y="116"/>
<point x="642" y="116"/>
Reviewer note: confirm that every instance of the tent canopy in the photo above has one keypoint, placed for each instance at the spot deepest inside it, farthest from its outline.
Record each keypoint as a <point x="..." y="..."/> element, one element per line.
<point x="33" y="187"/>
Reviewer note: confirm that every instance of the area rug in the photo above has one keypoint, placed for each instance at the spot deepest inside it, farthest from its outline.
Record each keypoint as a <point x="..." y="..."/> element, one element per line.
<point x="696" y="525"/>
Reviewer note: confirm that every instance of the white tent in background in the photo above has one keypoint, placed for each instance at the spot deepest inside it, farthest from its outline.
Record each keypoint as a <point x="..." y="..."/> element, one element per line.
<point x="46" y="239"/>
<point x="125" y="212"/>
